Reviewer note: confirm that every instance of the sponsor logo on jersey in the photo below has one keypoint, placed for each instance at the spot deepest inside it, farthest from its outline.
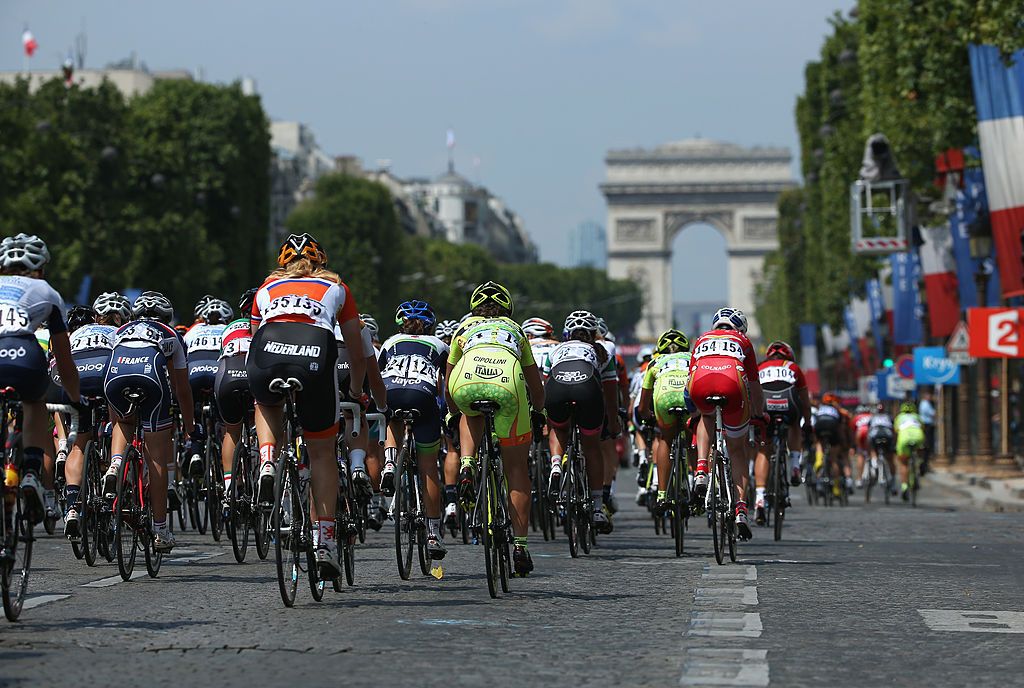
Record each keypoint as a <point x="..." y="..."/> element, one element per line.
<point x="91" y="367"/>
<point x="487" y="373"/>
<point x="716" y="368"/>
<point x="283" y="349"/>
<point x="237" y="373"/>
<point x="203" y="369"/>
<point x="13" y="352"/>
<point x="570" y="376"/>
<point x="132" y="360"/>
<point x="491" y="361"/>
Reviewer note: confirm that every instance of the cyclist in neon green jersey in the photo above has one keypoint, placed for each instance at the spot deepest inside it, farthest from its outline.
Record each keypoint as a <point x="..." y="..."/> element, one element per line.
<point x="909" y="435"/>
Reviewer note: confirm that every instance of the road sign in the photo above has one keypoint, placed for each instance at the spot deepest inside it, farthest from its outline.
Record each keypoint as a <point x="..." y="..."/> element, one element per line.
<point x="904" y="367"/>
<point x="996" y="332"/>
<point x="959" y="345"/>
<point x="932" y="366"/>
<point x="893" y="387"/>
<point x="867" y="389"/>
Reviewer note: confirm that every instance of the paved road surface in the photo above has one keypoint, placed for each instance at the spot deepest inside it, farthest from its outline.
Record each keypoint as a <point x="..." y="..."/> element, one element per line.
<point x="852" y="597"/>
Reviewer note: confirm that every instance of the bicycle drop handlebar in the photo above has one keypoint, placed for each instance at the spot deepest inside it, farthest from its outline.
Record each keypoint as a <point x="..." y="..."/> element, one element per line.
<point x="72" y="428"/>
<point x="356" y="409"/>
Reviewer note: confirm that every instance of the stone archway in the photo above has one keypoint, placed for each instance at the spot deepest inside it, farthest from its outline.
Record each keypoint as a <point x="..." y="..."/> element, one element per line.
<point x="653" y="194"/>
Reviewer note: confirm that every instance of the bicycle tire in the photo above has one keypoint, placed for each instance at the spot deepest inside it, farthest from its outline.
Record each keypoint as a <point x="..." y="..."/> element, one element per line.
<point x="125" y="517"/>
<point x="486" y="510"/>
<point x="215" y="490"/>
<point x="728" y="517"/>
<point x="87" y="513"/>
<point x="714" y="513"/>
<point x="778" y="498"/>
<point x="239" y="503"/>
<point x="153" y="558"/>
<point x="404" y="527"/>
<point x="676" y="481"/>
<point x="16" y="573"/>
<point x="888" y="477"/>
<point x="912" y="478"/>
<point x="502" y="530"/>
<point x="586" y="509"/>
<point x="286" y="540"/>
<point x="569" y="490"/>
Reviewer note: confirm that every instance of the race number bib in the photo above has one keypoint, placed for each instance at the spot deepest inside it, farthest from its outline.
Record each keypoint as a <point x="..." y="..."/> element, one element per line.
<point x="492" y="336"/>
<point x="236" y="347"/>
<point x="777" y="374"/>
<point x="719" y="347"/>
<point x="292" y="304"/>
<point x="13" y="319"/>
<point x="92" y="341"/>
<point x="413" y="369"/>
<point x="207" y="342"/>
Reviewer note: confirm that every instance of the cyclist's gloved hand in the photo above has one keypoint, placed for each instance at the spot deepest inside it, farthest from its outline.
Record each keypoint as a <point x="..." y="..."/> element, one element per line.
<point x="388" y="413"/>
<point x="451" y="421"/>
<point x="197" y="436"/>
<point x="539" y="421"/>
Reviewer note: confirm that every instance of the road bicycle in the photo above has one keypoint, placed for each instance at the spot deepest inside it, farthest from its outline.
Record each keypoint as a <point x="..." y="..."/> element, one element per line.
<point x="573" y="500"/>
<point x="542" y="517"/>
<point x="489" y="515"/>
<point x="244" y="517"/>
<point x="95" y="516"/>
<point x="407" y="509"/>
<point x="878" y="471"/>
<point x="776" y="496"/>
<point x="720" y="502"/>
<point x="677" y="491"/>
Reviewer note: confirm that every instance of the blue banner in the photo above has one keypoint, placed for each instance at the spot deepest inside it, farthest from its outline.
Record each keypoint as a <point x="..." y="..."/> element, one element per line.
<point x="851" y="329"/>
<point x="970" y="202"/>
<point x="907" y="309"/>
<point x="877" y="309"/>
<point x="82" y="298"/>
<point x="932" y="367"/>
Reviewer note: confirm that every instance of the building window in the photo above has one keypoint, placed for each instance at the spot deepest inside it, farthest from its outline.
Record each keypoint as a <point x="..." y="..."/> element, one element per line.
<point x="469" y="212"/>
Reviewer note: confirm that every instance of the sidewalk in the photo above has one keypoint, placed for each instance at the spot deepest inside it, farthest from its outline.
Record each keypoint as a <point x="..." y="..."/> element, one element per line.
<point x="987" y="494"/>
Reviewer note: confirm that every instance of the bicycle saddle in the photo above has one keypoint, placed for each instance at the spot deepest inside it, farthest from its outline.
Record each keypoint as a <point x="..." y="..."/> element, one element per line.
<point x="485" y="405"/>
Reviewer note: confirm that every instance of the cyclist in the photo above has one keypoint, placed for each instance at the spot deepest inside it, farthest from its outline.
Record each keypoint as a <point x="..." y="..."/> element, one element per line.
<point x="147" y="351"/>
<point x="491" y="342"/>
<point x="724" y="364"/>
<point x="909" y="437"/>
<point x="541" y="334"/>
<point x="92" y="343"/>
<point x="370" y="323"/>
<point x="641" y="457"/>
<point x="231" y="384"/>
<point x="882" y="437"/>
<point x="412" y="365"/>
<point x="444" y="331"/>
<point x="664" y="388"/>
<point x="786" y="395"/>
<point x="202" y="347"/>
<point x="293" y="317"/>
<point x="612" y="430"/>
<point x="580" y="387"/>
<point x="859" y="431"/>
<point x="27" y="303"/>
<point x="831" y="426"/>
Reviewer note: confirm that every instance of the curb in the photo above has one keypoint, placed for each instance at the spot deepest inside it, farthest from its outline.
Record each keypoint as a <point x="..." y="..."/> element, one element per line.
<point x="979" y="491"/>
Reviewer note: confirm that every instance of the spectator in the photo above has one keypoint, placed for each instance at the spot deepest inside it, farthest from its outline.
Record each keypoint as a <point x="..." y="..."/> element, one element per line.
<point x="926" y="409"/>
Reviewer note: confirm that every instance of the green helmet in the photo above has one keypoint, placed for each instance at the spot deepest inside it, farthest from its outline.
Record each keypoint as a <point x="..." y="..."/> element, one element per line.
<point x="672" y="341"/>
<point x="491" y="292"/>
<point x="908" y="407"/>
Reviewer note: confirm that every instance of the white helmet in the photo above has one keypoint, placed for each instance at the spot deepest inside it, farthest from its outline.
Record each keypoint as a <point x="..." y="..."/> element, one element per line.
<point x="446" y="328"/>
<point x="112" y="303"/>
<point x="25" y="251"/>
<point x="153" y="304"/>
<point x="602" y="328"/>
<point x="201" y="305"/>
<point x="371" y="324"/>
<point x="580" y="320"/>
<point x="538" y="327"/>
<point x="217" y="310"/>
<point x="729" y="319"/>
<point x="645" y="352"/>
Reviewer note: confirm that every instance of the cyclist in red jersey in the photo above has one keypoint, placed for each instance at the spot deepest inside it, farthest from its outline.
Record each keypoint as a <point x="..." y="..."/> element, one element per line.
<point x="724" y="364"/>
<point x="859" y="428"/>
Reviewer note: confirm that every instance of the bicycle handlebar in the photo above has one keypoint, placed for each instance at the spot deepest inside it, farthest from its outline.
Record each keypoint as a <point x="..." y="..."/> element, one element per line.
<point x="73" y="425"/>
<point x="355" y="408"/>
<point x="382" y="426"/>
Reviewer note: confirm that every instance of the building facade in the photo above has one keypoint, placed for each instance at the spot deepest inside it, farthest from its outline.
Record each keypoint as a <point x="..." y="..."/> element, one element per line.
<point x="131" y="82"/>
<point x="296" y="164"/>
<point x="587" y="246"/>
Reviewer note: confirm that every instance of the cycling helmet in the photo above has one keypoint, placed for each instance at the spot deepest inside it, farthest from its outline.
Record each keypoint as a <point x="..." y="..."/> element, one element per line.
<point x="153" y="304"/>
<point x="538" y="327"/>
<point x="644" y="353"/>
<point x="415" y="310"/>
<point x="80" y="316"/>
<point x="672" y="341"/>
<point x="491" y="292"/>
<point x="301" y="246"/>
<point x="23" y="251"/>
<point x="579" y="320"/>
<point x="610" y="337"/>
<point x="829" y="398"/>
<point x="201" y="305"/>
<point x="371" y="324"/>
<point x="879" y="407"/>
<point x="729" y="319"/>
<point x="112" y="303"/>
<point x="780" y="349"/>
<point x="446" y="328"/>
<point x="218" y="311"/>
<point x="245" y="302"/>
<point x="908" y="407"/>
<point x="181" y="329"/>
<point x="602" y="328"/>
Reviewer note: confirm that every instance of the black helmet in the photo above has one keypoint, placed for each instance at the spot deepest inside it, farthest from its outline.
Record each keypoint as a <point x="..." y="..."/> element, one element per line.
<point x="245" y="302"/>
<point x="80" y="316"/>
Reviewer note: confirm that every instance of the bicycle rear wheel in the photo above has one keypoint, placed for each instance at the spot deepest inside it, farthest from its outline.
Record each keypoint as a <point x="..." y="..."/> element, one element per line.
<point x="239" y="503"/>
<point x="215" y="489"/>
<point x="586" y="508"/>
<point x="153" y="558"/>
<point x="87" y="512"/>
<point x="485" y="509"/>
<point x="286" y="524"/>
<point x="913" y="477"/>
<point x="502" y="530"/>
<point x="714" y="513"/>
<point x="15" y="571"/>
<point x="404" y="526"/>
<point x="126" y="518"/>
<point x="570" y="495"/>
<point x="678" y="477"/>
<point x="778" y="491"/>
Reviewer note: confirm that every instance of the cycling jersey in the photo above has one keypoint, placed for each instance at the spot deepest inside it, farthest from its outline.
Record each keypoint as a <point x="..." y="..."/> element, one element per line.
<point x="880" y="429"/>
<point x="235" y="338"/>
<point x="410" y="366"/>
<point x="541" y="348"/>
<point x="780" y="382"/>
<point x="573" y="388"/>
<point x="26" y="305"/>
<point x="859" y="425"/>
<point x="205" y="338"/>
<point x="488" y="356"/>
<point x="310" y="300"/>
<point x="91" y="348"/>
<point x="667" y="378"/>
<point x="344" y="365"/>
<point x="909" y="433"/>
<point x="724" y="364"/>
<point x="203" y="344"/>
<point x="143" y="352"/>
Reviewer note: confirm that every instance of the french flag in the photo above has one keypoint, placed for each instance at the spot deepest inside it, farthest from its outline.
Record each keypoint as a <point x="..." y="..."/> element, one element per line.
<point x="999" y="97"/>
<point x="940" y="282"/>
<point x="809" y="356"/>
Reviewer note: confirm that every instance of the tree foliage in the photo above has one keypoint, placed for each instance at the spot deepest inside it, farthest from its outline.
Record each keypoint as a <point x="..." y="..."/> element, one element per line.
<point x="168" y="190"/>
<point x="354" y="219"/>
<point x="899" y="67"/>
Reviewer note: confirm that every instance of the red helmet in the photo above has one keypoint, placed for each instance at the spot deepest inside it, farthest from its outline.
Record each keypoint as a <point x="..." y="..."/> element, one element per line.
<point x="830" y="399"/>
<point x="781" y="349"/>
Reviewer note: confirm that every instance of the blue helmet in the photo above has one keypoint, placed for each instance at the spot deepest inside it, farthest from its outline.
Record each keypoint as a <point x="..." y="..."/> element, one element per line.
<point x="415" y="310"/>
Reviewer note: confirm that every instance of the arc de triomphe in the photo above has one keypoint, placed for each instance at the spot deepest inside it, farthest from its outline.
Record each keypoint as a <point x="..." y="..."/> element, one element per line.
<point x="653" y="194"/>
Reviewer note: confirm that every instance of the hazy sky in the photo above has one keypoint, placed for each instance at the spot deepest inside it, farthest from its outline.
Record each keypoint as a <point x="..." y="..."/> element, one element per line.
<point x="536" y="90"/>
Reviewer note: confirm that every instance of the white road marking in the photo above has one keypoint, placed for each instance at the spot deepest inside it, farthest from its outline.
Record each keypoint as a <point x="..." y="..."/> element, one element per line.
<point x="722" y="667"/>
<point x="723" y="573"/>
<point x="189" y="560"/>
<point x="33" y="601"/>
<point x="726" y="596"/>
<point x="973" y="620"/>
<point x="114" y="580"/>
<point x="725" y="624"/>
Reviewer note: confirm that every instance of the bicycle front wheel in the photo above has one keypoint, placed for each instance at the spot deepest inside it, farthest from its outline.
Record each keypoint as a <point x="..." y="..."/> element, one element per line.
<point x="486" y="509"/>
<point x="15" y="571"/>
<point x="126" y="518"/>
<point x="87" y="513"/>
<point x="239" y="503"/>
<point x="286" y="522"/>
<point x="404" y="526"/>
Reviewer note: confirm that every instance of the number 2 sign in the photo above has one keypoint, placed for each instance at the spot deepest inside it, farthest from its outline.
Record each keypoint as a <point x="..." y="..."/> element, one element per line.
<point x="996" y="332"/>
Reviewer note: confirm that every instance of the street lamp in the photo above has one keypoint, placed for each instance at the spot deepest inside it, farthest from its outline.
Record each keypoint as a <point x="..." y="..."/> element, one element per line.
<point x="980" y="240"/>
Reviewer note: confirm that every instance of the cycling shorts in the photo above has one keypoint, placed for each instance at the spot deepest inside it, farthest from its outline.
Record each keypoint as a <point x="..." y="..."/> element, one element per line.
<point x="202" y="372"/>
<point x="782" y="403"/>
<point x="882" y="438"/>
<point x="582" y="400"/>
<point x="23" y="366"/>
<point x="670" y="392"/>
<point x="908" y="439"/>
<point x="862" y="438"/>
<point x="827" y="429"/>
<point x="722" y="377"/>
<point x="307" y="353"/>
<point x="427" y="426"/>
<point x="231" y="390"/>
<point x="493" y="374"/>
<point x="144" y="370"/>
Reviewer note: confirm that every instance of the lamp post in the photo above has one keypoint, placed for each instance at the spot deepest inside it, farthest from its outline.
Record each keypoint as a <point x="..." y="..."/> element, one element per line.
<point x="981" y="248"/>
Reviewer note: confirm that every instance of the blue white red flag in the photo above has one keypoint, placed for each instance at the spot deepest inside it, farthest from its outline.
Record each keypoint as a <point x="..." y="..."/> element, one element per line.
<point x="809" y="356"/>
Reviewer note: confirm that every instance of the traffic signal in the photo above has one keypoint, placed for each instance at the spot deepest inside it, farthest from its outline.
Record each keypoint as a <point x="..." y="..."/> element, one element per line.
<point x="888" y="363"/>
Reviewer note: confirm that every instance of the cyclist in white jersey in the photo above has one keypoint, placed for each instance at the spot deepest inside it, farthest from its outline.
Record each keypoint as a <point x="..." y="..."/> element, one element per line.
<point x="202" y="347"/>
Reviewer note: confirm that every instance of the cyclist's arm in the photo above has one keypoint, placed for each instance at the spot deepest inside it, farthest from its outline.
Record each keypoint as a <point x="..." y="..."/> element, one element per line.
<point x="183" y="393"/>
<point x="60" y="348"/>
<point x="377" y="388"/>
<point x="352" y="334"/>
<point x="804" y="399"/>
<point x="449" y="402"/>
<point x="534" y="386"/>
<point x="646" y="398"/>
